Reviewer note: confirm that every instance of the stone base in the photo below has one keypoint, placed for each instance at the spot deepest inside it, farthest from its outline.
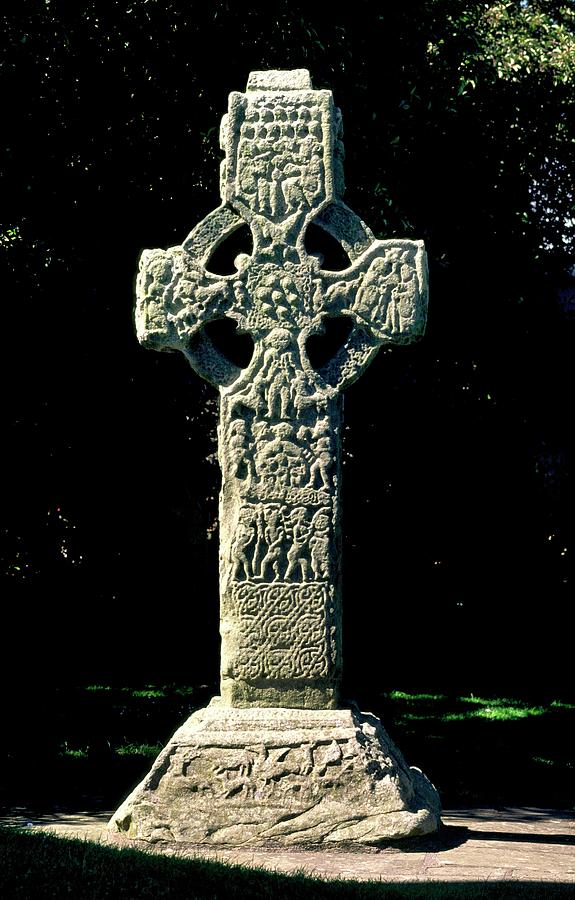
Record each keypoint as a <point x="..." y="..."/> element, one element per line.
<point x="287" y="776"/>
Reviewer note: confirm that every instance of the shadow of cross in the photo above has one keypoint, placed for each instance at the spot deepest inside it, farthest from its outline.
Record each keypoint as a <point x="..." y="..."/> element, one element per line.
<point x="280" y="419"/>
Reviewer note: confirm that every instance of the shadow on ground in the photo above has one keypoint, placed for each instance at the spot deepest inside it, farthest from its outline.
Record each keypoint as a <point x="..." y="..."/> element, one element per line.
<point x="39" y="865"/>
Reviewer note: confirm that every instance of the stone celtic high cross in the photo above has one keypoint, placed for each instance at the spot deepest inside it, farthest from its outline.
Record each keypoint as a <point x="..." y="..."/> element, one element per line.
<point x="276" y="758"/>
<point x="280" y="419"/>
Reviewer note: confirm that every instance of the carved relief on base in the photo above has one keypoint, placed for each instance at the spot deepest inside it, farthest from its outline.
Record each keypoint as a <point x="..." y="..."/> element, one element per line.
<point x="229" y="776"/>
<point x="269" y="773"/>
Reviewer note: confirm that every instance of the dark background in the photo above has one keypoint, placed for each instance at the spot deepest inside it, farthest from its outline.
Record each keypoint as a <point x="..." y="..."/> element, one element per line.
<point x="456" y="493"/>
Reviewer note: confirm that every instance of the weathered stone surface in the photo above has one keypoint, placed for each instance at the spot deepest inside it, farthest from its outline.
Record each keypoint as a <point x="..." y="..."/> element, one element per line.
<point x="275" y="760"/>
<point x="280" y="418"/>
<point x="289" y="776"/>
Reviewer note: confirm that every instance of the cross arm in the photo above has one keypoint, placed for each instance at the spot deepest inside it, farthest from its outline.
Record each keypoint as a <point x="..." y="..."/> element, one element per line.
<point x="384" y="292"/>
<point x="175" y="298"/>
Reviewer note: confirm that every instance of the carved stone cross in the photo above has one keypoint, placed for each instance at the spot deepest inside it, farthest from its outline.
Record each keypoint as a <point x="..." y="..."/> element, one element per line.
<point x="280" y="418"/>
<point x="275" y="758"/>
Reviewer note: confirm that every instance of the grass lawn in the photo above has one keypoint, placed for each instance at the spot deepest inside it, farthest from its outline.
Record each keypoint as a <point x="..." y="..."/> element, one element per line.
<point x="43" y="866"/>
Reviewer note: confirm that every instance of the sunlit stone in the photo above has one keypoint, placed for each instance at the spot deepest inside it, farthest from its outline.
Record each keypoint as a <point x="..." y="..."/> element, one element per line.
<point x="275" y="746"/>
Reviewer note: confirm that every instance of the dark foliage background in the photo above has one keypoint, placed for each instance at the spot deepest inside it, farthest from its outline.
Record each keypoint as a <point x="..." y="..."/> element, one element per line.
<point x="457" y="511"/>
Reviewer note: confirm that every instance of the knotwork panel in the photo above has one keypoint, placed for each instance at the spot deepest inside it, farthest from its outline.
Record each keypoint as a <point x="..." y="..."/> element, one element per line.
<point x="282" y="631"/>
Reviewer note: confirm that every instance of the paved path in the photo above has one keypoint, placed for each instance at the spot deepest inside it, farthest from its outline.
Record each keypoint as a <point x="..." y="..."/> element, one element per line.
<point x="474" y="845"/>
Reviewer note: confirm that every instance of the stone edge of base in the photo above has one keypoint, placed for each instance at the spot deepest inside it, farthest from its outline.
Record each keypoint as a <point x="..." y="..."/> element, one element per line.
<point x="419" y="818"/>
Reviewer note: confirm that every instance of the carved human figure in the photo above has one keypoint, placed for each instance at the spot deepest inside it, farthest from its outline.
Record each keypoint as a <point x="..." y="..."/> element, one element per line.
<point x="278" y="369"/>
<point x="269" y="394"/>
<point x="260" y="543"/>
<point x="322" y="463"/>
<point x="274" y="537"/>
<point x="292" y="187"/>
<point x="303" y="397"/>
<point x="297" y="554"/>
<point x="261" y="430"/>
<point x="260" y="166"/>
<point x="277" y="202"/>
<point x="313" y="178"/>
<point x="244" y="538"/>
<point x="241" y="460"/>
<point x="319" y="545"/>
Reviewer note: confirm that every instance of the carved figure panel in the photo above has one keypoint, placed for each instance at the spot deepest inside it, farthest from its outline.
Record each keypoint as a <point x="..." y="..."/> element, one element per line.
<point x="280" y="156"/>
<point x="281" y="543"/>
<point x="291" y="772"/>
